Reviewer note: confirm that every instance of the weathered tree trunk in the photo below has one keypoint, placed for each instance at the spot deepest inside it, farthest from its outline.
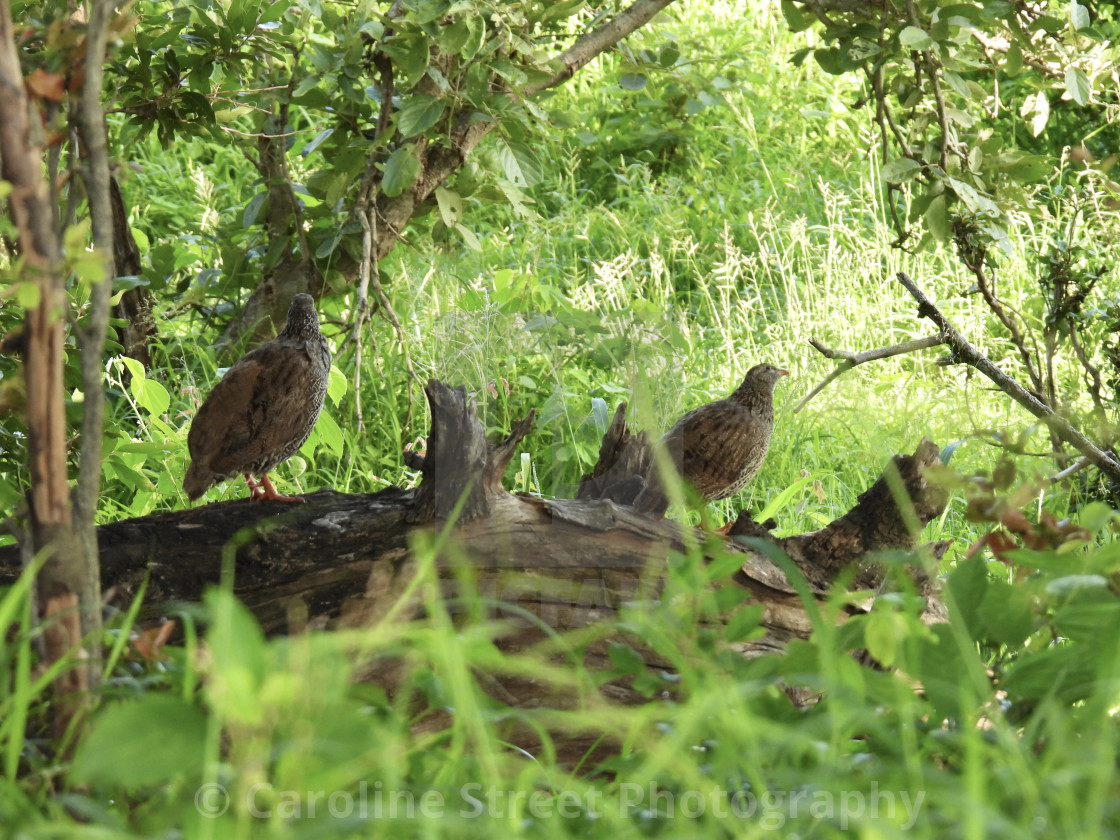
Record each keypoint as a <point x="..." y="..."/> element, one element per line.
<point x="68" y="598"/>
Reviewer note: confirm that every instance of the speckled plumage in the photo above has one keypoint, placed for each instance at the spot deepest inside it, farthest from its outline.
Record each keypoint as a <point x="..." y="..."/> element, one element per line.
<point x="263" y="409"/>
<point x="719" y="447"/>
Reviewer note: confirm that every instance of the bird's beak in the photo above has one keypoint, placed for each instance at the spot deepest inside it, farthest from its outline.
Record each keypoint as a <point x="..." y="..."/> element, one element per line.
<point x="783" y="372"/>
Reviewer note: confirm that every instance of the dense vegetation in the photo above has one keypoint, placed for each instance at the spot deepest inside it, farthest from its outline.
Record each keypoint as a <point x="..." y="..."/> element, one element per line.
<point x="690" y="219"/>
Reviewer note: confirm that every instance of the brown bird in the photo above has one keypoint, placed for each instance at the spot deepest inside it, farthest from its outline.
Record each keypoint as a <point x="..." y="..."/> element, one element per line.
<point x="263" y="409"/>
<point x="719" y="447"/>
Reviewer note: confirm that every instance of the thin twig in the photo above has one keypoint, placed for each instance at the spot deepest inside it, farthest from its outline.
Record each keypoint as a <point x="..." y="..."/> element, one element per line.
<point x="262" y="134"/>
<point x="1075" y="467"/>
<point x="364" y="271"/>
<point x="1092" y="372"/>
<point x="964" y="352"/>
<point x="850" y="359"/>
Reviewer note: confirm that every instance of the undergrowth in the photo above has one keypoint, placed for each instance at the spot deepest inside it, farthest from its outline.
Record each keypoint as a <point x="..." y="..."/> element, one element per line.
<point x="655" y="268"/>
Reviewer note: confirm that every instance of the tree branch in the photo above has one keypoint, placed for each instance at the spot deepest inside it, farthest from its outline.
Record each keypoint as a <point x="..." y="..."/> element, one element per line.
<point x="599" y="40"/>
<point x="850" y="359"/>
<point x="90" y="117"/>
<point x="963" y="351"/>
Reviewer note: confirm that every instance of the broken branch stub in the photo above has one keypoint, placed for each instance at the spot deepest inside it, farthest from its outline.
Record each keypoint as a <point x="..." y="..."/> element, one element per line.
<point x="460" y="465"/>
<point x="624" y="462"/>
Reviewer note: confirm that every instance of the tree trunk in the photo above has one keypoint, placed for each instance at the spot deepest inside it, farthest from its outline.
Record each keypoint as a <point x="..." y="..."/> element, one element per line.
<point x="65" y="588"/>
<point x="462" y="132"/>
<point x="135" y="305"/>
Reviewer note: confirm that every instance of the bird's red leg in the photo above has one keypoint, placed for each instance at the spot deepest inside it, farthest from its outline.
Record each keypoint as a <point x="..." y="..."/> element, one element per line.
<point x="255" y="491"/>
<point x="269" y="494"/>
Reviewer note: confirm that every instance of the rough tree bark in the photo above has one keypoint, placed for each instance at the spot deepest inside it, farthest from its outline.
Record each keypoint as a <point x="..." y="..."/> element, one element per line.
<point x="344" y="560"/>
<point x="293" y="271"/>
<point x="66" y="587"/>
<point x="135" y="305"/>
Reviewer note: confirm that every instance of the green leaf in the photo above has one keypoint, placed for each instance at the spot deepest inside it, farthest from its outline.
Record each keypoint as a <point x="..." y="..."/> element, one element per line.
<point x="941" y="668"/>
<point x="401" y="171"/>
<point x="668" y="55"/>
<point x="1065" y="672"/>
<point x="626" y="659"/>
<point x="151" y="396"/>
<point x="1039" y="106"/>
<point x="1077" y="84"/>
<point x="968" y="584"/>
<point x="796" y="20"/>
<point x="252" y="210"/>
<point x="454" y="37"/>
<point x="972" y="198"/>
<point x="419" y="114"/>
<point x="744" y="625"/>
<point x="633" y="81"/>
<point x="883" y="631"/>
<point x="239" y="658"/>
<point x="306" y="84"/>
<point x="327" y="246"/>
<point x="476" y="37"/>
<point x="450" y="206"/>
<point x="410" y="56"/>
<point x="88" y="266"/>
<point x="1078" y="15"/>
<point x="957" y="83"/>
<point x="898" y="171"/>
<point x="519" y="163"/>
<point x="28" y="295"/>
<point x="315" y="142"/>
<point x="914" y="38"/>
<point x="937" y="218"/>
<point x="330" y="434"/>
<point x="832" y="61"/>
<point x="469" y="237"/>
<point x="135" y="370"/>
<point x="142" y="743"/>
<point x="1006" y="613"/>
<point x="336" y="385"/>
<point x="1013" y="62"/>
<point x="779" y="502"/>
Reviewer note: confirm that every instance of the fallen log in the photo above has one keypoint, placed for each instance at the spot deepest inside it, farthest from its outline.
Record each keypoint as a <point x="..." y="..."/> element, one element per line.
<point x="343" y="560"/>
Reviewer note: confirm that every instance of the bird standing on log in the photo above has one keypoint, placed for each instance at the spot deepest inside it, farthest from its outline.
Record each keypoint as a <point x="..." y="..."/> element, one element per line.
<point x="263" y="409"/>
<point x="719" y="447"/>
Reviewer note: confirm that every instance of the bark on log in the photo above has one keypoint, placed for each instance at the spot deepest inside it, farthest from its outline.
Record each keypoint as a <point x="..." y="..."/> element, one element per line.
<point x="343" y="560"/>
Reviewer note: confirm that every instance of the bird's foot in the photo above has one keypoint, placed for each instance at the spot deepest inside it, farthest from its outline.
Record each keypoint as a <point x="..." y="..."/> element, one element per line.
<point x="265" y="492"/>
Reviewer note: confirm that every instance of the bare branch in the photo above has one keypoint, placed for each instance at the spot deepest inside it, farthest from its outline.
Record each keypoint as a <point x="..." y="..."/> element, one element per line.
<point x="964" y="352"/>
<point x="850" y="359"/>
<point x="1076" y="467"/>
<point x="599" y="40"/>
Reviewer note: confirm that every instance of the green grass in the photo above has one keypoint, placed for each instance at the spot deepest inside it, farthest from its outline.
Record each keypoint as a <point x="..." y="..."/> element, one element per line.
<point x="657" y="279"/>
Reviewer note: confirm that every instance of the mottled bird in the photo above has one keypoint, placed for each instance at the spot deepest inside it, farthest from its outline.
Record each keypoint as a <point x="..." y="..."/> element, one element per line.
<point x="263" y="409"/>
<point x="719" y="447"/>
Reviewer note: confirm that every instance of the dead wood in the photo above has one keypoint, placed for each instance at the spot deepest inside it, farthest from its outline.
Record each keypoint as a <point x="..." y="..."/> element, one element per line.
<point x="343" y="560"/>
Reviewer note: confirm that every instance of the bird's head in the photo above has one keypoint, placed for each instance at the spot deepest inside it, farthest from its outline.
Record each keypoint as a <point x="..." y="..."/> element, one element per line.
<point x="303" y="321"/>
<point x="764" y="376"/>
